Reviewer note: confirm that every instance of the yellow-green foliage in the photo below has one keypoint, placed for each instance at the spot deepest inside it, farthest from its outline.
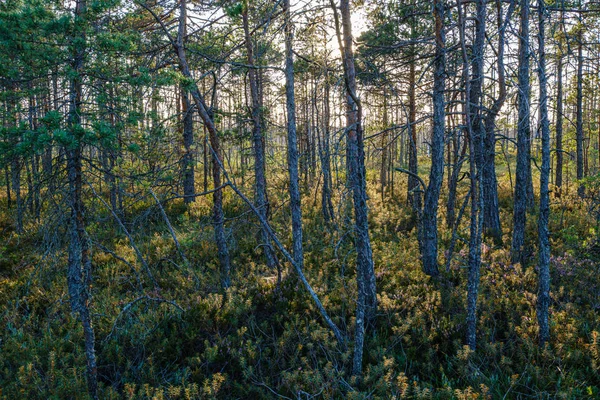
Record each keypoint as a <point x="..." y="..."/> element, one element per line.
<point x="257" y="341"/>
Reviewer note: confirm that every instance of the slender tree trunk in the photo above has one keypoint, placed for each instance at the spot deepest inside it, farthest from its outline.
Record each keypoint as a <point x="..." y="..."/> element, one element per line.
<point x="79" y="268"/>
<point x="16" y="185"/>
<point x="429" y="241"/>
<point x="15" y="163"/>
<point x="7" y="180"/>
<point x="459" y="157"/>
<point x="414" y="190"/>
<point x="262" y="202"/>
<point x="475" y="149"/>
<point x="292" y="152"/>
<point x="579" y="110"/>
<point x="384" y="147"/>
<point x="491" y="209"/>
<point x="366" y="306"/>
<point x="523" y="140"/>
<point x="205" y="157"/>
<point x="543" y="299"/>
<point x="326" y="203"/>
<point x="189" y="187"/>
<point x="558" y="180"/>
<point x="215" y="147"/>
<point x="187" y="163"/>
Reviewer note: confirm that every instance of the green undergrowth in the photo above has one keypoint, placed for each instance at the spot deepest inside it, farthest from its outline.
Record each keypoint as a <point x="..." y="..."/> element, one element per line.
<point x="187" y="339"/>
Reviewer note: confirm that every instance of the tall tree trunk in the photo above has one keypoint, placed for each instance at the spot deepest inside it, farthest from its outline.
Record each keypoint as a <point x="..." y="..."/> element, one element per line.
<point x="292" y="151"/>
<point x="366" y="306"/>
<point x="414" y="190"/>
<point x="558" y="180"/>
<point x="16" y="185"/>
<point x="543" y="299"/>
<point x="189" y="186"/>
<point x="326" y="203"/>
<point x="262" y="202"/>
<point x="523" y="140"/>
<point x="187" y="162"/>
<point x="15" y="167"/>
<point x="384" y="147"/>
<point x="215" y="146"/>
<point x="475" y="150"/>
<point x="79" y="268"/>
<point x="459" y="150"/>
<point x="7" y="180"/>
<point x="579" y="110"/>
<point x="491" y="209"/>
<point x="429" y="241"/>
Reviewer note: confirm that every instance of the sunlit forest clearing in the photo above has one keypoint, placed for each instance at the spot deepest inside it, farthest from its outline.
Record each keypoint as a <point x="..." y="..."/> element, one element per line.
<point x="251" y="200"/>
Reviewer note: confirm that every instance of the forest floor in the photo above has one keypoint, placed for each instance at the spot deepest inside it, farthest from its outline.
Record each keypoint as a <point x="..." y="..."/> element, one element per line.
<point x="188" y="339"/>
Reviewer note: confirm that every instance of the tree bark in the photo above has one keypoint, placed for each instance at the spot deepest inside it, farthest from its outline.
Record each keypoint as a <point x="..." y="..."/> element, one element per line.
<point x="262" y="202"/>
<point x="207" y="118"/>
<point x="491" y="209"/>
<point x="579" y="110"/>
<point x="475" y="150"/>
<point x="558" y="180"/>
<point x="326" y="203"/>
<point x="414" y="190"/>
<point x="292" y="151"/>
<point x="429" y="240"/>
<point x="79" y="273"/>
<point x="187" y="162"/>
<point x="543" y="299"/>
<point x="366" y="306"/>
<point x="523" y="141"/>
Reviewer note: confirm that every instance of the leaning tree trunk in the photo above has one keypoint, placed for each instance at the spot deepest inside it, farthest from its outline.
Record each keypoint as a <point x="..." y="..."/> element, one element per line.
<point x="429" y="240"/>
<point x="543" y="299"/>
<point x="523" y="140"/>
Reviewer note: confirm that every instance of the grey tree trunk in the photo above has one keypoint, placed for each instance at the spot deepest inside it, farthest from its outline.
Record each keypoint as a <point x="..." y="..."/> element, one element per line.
<point x="523" y="140"/>
<point x="79" y="261"/>
<point x="543" y="299"/>
<point x="414" y="190"/>
<point x="292" y="151"/>
<point x="383" y="171"/>
<point x="459" y="152"/>
<point x="366" y="306"/>
<point x="187" y="162"/>
<point x="475" y="150"/>
<point x="429" y="240"/>
<point x="579" y="110"/>
<point x="262" y="202"/>
<point x="16" y="185"/>
<point x="491" y="209"/>
<point x="558" y="180"/>
<point x="15" y="164"/>
<point x="207" y="118"/>
<point x="326" y="203"/>
<point x="7" y="180"/>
